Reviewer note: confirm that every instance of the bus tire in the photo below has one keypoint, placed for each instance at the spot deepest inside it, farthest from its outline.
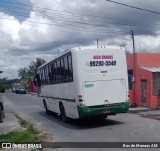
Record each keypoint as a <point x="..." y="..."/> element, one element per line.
<point x="1" y="115"/>
<point x="63" y="113"/>
<point x="2" y="111"/>
<point x="48" y="112"/>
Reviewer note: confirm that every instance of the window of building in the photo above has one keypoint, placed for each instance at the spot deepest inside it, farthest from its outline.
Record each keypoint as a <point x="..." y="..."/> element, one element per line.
<point x="130" y="79"/>
<point x="156" y="83"/>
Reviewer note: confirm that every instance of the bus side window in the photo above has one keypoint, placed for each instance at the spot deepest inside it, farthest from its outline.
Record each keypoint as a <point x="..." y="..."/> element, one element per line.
<point x="42" y="76"/>
<point x="59" y="71"/>
<point x="70" y="68"/>
<point x="62" y="70"/>
<point x="44" y="80"/>
<point x="66" y="69"/>
<point x="49" y="74"/>
<point x="55" y="72"/>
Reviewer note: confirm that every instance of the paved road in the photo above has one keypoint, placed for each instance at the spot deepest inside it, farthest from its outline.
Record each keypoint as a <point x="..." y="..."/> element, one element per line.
<point x="124" y="127"/>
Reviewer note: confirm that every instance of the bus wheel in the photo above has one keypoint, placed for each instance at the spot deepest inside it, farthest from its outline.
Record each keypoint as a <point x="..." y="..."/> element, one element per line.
<point x="2" y="111"/>
<point x="63" y="113"/>
<point x="48" y="112"/>
<point x="1" y="115"/>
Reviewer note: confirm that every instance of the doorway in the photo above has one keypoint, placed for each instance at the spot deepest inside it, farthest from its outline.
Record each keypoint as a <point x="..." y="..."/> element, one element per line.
<point x="143" y="92"/>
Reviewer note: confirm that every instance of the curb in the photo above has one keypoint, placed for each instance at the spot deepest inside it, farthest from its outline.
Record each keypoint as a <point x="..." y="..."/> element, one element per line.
<point x="138" y="111"/>
<point x="31" y="93"/>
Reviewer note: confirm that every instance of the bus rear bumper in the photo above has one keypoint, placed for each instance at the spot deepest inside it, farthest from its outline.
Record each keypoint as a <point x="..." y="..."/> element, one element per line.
<point x="86" y="111"/>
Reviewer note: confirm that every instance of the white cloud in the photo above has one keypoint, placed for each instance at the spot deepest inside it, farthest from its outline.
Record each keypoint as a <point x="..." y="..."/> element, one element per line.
<point x="73" y="23"/>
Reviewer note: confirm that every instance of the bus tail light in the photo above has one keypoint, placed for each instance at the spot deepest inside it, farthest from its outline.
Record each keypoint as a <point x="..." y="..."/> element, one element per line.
<point x="80" y="100"/>
<point x="80" y="96"/>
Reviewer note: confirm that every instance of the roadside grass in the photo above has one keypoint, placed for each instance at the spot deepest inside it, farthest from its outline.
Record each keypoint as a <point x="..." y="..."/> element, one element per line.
<point x="28" y="134"/>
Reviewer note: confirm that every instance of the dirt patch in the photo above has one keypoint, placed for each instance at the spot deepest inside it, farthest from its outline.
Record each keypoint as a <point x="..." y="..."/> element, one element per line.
<point x="45" y="137"/>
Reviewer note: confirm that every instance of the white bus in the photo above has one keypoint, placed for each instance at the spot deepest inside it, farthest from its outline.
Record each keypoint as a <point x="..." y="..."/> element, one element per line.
<point x="85" y="82"/>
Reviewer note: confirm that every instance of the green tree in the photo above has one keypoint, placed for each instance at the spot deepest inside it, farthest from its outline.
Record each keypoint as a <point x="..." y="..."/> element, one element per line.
<point x="34" y="66"/>
<point x="26" y="74"/>
<point x="23" y="73"/>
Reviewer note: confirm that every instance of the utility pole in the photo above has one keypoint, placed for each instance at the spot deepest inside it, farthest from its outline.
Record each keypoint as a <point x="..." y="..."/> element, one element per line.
<point x="57" y="48"/>
<point x="134" y="61"/>
<point x="132" y="36"/>
<point x="97" y="41"/>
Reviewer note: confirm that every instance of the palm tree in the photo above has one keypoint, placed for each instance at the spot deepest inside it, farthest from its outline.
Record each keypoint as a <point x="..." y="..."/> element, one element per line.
<point x="34" y="66"/>
<point x="26" y="74"/>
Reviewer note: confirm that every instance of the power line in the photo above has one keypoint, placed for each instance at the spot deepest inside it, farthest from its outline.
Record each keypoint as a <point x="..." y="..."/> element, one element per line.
<point x="147" y="10"/>
<point x="75" y="22"/>
<point x="59" y="19"/>
<point x="68" y="27"/>
<point x="77" y="14"/>
<point x="104" y="23"/>
<point x="96" y="19"/>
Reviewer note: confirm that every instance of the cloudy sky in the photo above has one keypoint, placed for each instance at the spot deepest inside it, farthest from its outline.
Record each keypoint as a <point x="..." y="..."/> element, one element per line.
<point x="34" y="28"/>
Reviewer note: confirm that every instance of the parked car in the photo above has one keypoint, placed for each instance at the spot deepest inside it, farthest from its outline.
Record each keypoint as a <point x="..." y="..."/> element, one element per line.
<point x="22" y="91"/>
<point x="18" y="88"/>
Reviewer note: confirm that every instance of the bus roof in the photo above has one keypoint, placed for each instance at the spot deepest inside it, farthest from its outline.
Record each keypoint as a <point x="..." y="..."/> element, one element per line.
<point x="83" y="48"/>
<point x="97" y="47"/>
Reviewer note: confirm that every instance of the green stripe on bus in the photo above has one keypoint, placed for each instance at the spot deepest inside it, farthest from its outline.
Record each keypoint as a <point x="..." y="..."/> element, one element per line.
<point x="88" y="85"/>
<point x="87" y="112"/>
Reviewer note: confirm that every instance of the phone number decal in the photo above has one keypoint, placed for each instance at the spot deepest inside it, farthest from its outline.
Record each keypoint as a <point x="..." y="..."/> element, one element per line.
<point x="102" y="63"/>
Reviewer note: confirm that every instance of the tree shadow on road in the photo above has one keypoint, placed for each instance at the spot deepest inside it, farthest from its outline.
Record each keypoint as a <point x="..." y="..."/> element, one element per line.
<point x="81" y="123"/>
